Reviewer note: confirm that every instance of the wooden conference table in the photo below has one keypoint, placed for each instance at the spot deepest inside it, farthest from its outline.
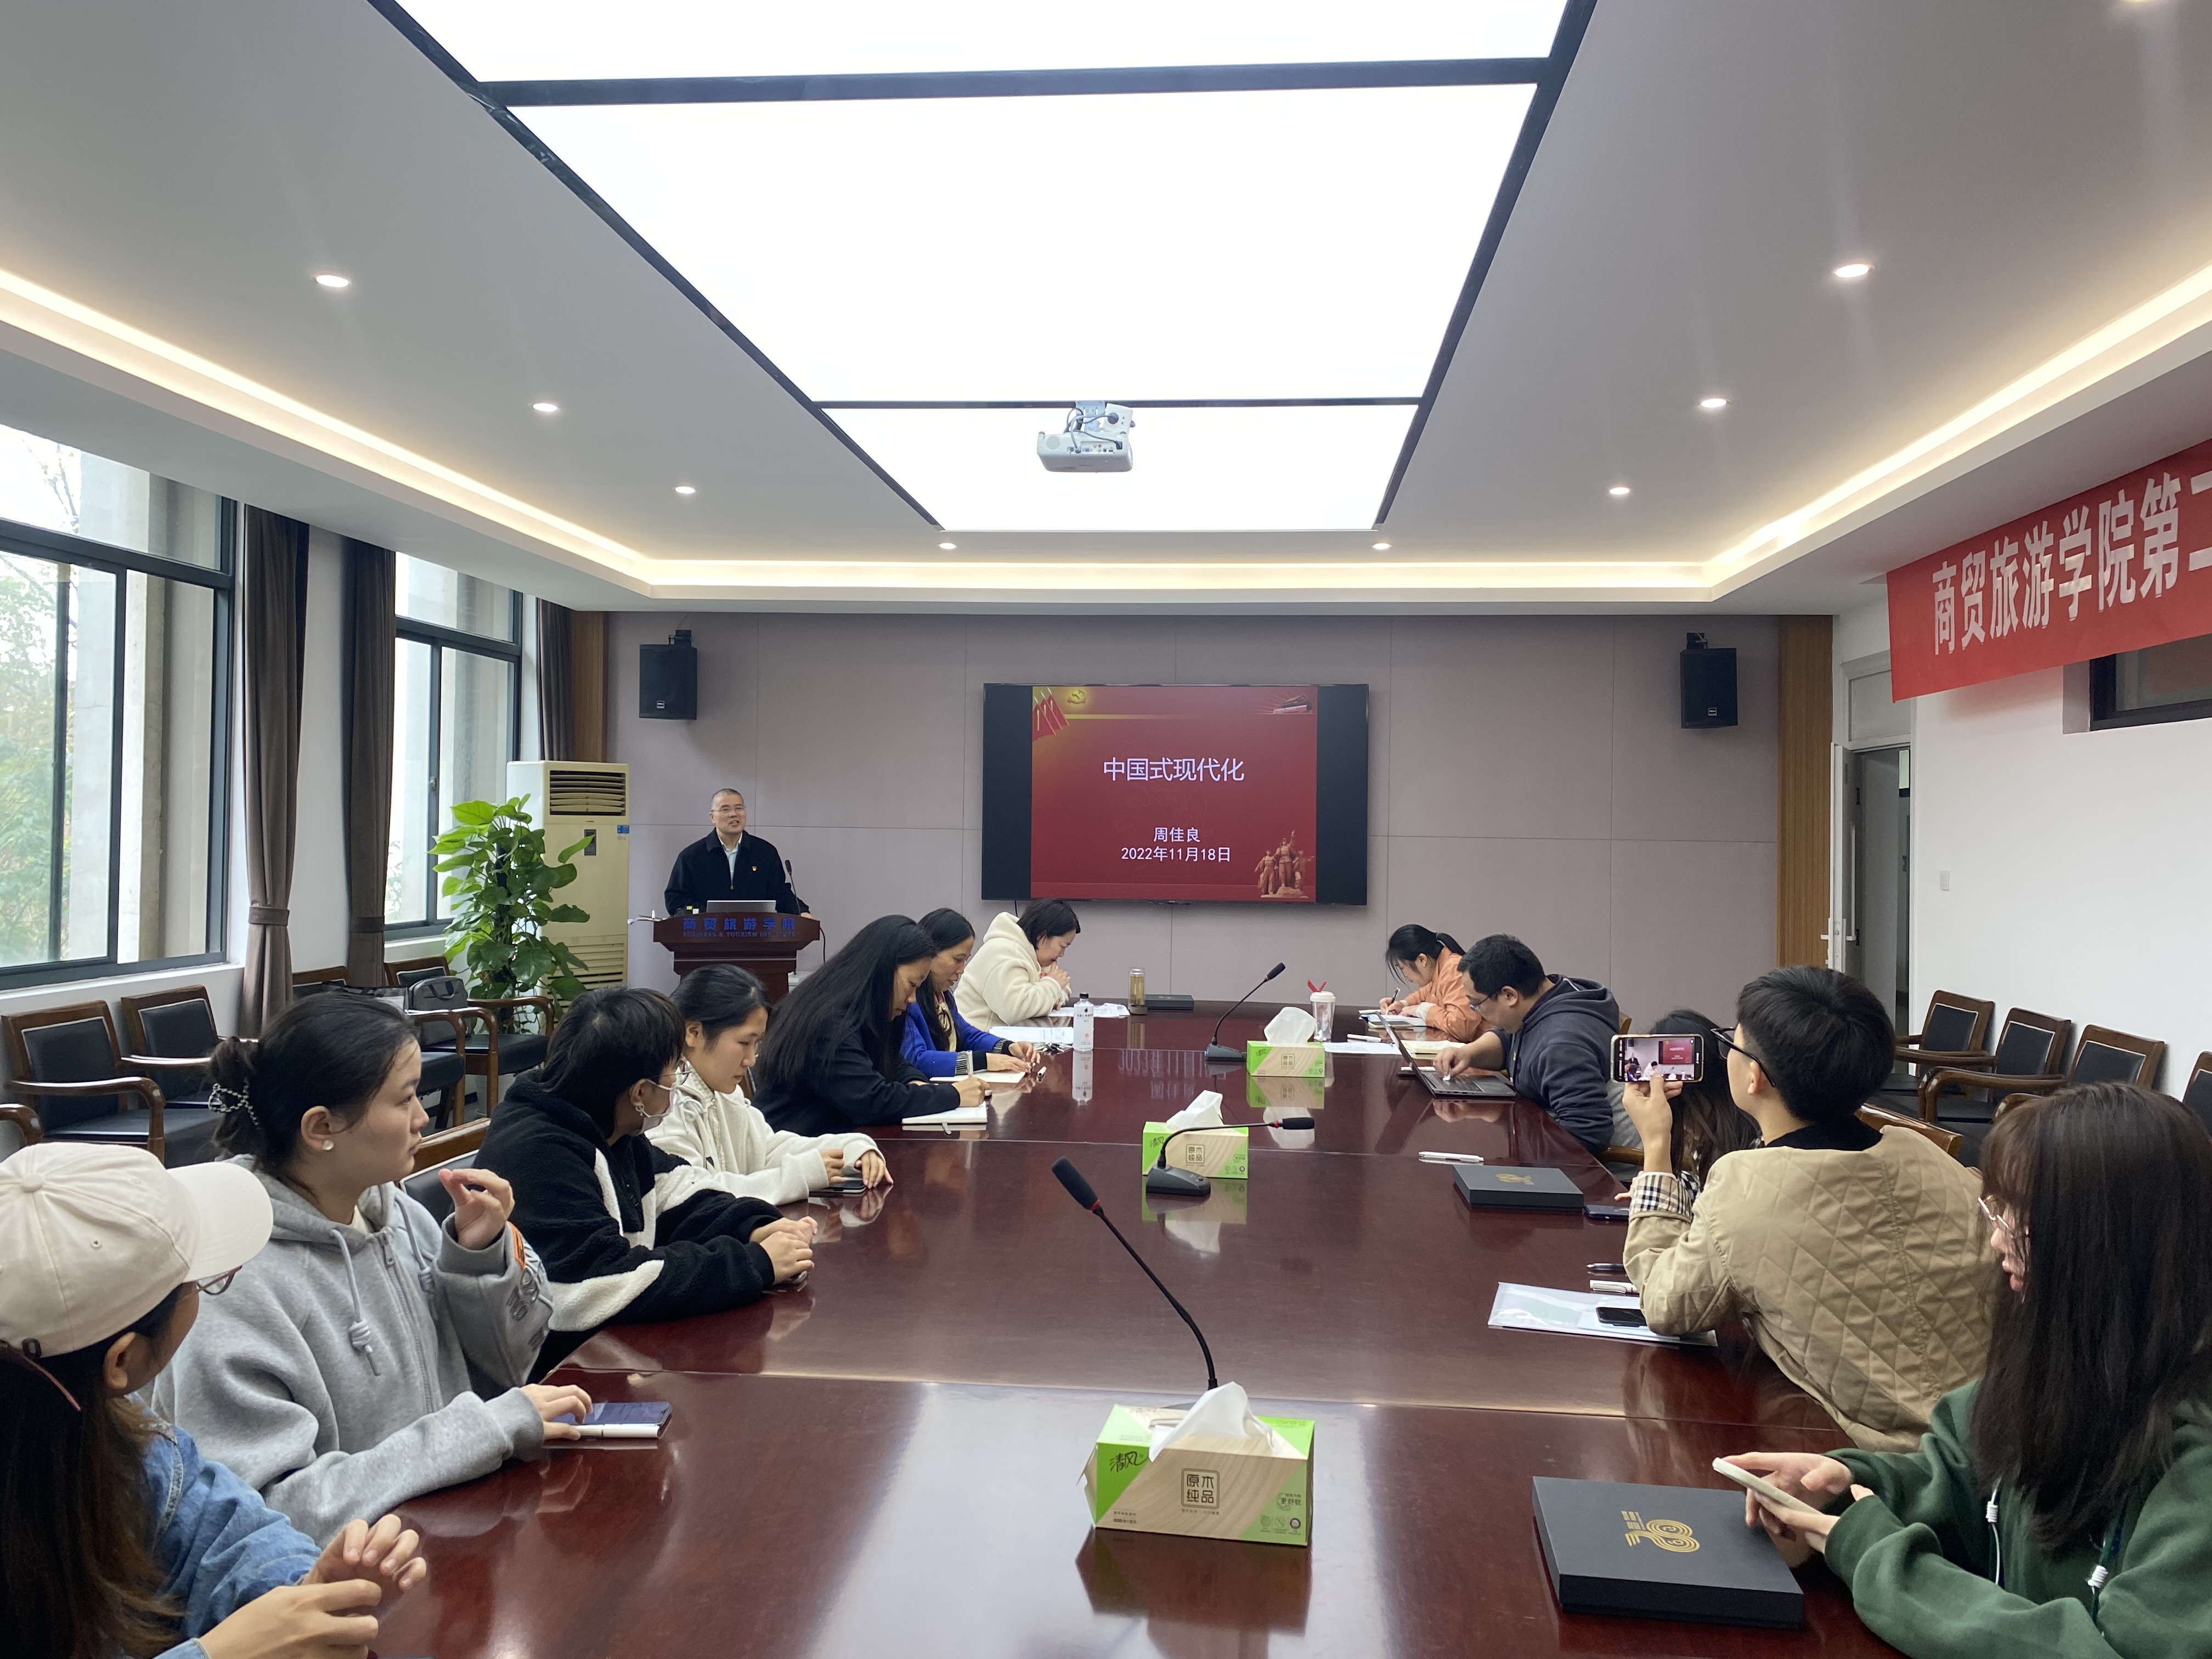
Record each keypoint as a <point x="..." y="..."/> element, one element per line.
<point x="889" y="1457"/>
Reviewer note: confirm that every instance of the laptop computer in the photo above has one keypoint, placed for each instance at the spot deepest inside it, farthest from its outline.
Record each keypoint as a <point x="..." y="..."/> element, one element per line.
<point x="1451" y="1088"/>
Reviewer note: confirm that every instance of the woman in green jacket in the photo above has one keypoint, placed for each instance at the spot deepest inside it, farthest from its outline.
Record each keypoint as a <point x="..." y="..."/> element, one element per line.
<point x="2061" y="1506"/>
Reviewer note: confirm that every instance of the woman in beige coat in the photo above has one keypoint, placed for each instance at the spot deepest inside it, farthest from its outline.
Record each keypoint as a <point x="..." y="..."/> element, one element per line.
<point x="1015" y="975"/>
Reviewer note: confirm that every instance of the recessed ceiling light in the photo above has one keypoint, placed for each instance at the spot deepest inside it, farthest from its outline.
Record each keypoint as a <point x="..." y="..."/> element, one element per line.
<point x="1617" y="490"/>
<point x="1712" y="405"/>
<point x="949" y="547"/>
<point x="547" y="409"/>
<point x="331" y="279"/>
<point x="1852" y="271"/>
<point x="685" y="489"/>
<point x="1381" y="547"/>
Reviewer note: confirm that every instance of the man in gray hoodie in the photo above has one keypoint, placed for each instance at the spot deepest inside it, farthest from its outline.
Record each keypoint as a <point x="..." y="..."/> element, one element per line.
<point x="1552" y="1035"/>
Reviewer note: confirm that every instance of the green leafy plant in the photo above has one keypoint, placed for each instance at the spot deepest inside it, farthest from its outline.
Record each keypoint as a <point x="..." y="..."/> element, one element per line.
<point x="502" y="886"/>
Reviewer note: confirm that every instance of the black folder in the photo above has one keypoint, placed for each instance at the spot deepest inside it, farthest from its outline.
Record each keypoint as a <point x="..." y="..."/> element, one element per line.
<point x="1661" y="1552"/>
<point x="1496" y="1186"/>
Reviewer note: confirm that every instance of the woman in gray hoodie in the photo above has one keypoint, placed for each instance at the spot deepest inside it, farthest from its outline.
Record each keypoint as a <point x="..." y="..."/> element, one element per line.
<point x="370" y="1353"/>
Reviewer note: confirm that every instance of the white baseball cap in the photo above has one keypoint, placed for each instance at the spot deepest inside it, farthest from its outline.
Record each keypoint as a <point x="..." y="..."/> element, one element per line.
<point x="91" y="1237"/>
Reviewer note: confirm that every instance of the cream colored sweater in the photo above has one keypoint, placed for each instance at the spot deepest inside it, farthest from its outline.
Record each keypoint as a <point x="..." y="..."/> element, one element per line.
<point x="1004" y="985"/>
<point x="731" y="1148"/>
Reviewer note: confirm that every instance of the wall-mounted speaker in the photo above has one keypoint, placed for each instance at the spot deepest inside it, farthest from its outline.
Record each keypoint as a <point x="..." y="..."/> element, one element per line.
<point x="668" y="679"/>
<point x="1707" y="685"/>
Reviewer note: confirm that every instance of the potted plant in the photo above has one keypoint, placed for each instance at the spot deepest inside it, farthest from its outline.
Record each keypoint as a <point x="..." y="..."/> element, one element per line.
<point x="502" y="886"/>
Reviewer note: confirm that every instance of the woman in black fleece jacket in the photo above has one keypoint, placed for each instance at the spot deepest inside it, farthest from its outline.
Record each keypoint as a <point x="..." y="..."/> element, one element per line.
<point x="588" y="1185"/>
<point x="831" y="1062"/>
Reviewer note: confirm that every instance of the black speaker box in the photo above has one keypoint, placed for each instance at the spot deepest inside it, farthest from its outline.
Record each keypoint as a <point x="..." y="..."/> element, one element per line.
<point x="668" y="680"/>
<point x="1708" y="687"/>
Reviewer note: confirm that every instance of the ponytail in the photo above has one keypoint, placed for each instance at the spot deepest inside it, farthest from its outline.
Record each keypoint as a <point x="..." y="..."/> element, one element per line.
<point x="334" y="1050"/>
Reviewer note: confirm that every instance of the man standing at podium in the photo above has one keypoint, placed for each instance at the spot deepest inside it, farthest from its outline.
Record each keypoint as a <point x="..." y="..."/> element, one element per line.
<point x="726" y="863"/>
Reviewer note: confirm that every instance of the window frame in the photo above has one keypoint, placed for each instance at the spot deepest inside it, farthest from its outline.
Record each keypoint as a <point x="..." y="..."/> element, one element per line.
<point x="442" y="639"/>
<point x="60" y="548"/>
<point x="2106" y="715"/>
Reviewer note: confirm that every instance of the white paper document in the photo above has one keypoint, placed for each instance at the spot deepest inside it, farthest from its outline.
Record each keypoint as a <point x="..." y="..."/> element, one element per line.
<point x="1360" y="1047"/>
<point x="1374" y="1018"/>
<point x="1574" y="1313"/>
<point x="1056" y="1034"/>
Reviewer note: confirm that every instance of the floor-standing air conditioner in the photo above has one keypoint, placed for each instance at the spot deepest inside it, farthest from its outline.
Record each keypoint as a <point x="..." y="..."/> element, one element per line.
<point x="586" y="801"/>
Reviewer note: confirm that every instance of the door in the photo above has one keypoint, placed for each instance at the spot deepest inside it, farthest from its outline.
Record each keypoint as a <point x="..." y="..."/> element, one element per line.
<point x="1877" y="914"/>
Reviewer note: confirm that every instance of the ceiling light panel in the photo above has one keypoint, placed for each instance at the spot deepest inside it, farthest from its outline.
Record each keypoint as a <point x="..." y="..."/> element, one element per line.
<point x="1213" y="245"/>
<point x="1197" y="469"/>
<point x="579" y="40"/>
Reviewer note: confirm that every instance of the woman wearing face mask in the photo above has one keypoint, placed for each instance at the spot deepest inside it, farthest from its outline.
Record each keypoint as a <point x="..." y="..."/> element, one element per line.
<point x="2063" y="1504"/>
<point x="117" y="1535"/>
<point x="935" y="1029"/>
<point x="724" y="1141"/>
<point x="831" y="1060"/>
<point x="341" y="1374"/>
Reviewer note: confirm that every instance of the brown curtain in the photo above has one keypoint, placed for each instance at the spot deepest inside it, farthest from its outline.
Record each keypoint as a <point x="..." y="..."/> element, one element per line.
<point x="370" y="648"/>
<point x="572" y="682"/>
<point x="275" y="627"/>
<point x="557" y="708"/>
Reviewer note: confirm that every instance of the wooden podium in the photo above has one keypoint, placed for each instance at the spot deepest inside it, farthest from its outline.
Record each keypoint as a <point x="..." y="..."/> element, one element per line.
<point x="759" y="940"/>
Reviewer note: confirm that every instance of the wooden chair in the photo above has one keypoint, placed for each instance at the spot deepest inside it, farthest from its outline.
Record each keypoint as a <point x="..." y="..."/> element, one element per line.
<point x="2197" y="1094"/>
<point x="83" y="1087"/>
<point x="177" y="1024"/>
<point x="451" y="1148"/>
<point x="497" y="1051"/>
<point x="443" y="1069"/>
<point x="1954" y="1033"/>
<point x="2104" y="1056"/>
<point x="1880" y="1117"/>
<point x="2031" y="1049"/>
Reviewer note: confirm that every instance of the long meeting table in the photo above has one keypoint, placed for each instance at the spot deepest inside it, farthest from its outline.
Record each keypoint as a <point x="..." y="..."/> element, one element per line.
<point x="888" y="1455"/>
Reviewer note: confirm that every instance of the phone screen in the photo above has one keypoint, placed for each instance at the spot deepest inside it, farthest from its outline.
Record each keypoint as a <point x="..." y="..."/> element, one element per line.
<point x="1629" y="1316"/>
<point x="1638" y="1057"/>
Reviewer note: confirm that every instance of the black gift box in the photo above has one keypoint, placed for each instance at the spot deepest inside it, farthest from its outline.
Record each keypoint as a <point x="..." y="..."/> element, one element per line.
<point x="1494" y="1187"/>
<point x="1663" y="1553"/>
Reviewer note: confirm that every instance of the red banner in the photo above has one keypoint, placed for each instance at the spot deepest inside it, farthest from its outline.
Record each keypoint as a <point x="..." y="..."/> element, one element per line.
<point x="2124" y="566"/>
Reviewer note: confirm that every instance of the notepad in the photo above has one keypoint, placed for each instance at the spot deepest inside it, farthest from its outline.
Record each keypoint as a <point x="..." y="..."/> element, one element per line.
<point x="1574" y="1313"/>
<point x="960" y="1117"/>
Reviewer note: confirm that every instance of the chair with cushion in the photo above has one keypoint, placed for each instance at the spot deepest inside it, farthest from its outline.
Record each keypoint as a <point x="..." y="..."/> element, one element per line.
<point x="1880" y="1117"/>
<point x="2197" y="1094"/>
<point x="2104" y="1056"/>
<point x="82" y="1087"/>
<point x="2030" y="1049"/>
<point x="177" y="1024"/>
<point x="494" y="1052"/>
<point x="1955" y="1033"/>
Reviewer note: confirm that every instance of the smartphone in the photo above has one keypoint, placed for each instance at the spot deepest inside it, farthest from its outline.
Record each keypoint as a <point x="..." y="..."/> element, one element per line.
<point x="1674" y="1059"/>
<point x="1607" y="1269"/>
<point x="1630" y="1316"/>
<point x="1759" y="1483"/>
<point x="1606" y="1212"/>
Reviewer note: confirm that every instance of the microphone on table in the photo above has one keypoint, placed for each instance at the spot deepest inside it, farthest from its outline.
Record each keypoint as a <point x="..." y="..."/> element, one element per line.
<point x="1080" y="1189"/>
<point x="1215" y="1050"/>
<point x="1188" y="1183"/>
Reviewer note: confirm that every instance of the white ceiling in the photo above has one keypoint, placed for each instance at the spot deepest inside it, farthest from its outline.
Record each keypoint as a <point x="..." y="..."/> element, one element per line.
<point x="2022" y="174"/>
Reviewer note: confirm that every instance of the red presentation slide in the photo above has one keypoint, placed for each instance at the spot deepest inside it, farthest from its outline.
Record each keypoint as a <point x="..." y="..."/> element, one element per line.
<point x="1172" y="792"/>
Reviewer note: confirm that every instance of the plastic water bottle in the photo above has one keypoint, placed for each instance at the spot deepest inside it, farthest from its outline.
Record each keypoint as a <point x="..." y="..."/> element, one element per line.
<point x="1084" y="1020"/>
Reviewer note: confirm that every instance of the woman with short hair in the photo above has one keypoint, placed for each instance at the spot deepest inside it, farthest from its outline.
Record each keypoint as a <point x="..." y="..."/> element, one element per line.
<point x="2063" y="1504"/>
<point x="1015" y="974"/>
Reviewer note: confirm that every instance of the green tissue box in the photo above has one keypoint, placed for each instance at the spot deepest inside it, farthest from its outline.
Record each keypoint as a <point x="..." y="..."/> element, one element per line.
<point x="1285" y="1059"/>
<point x="1225" y="1151"/>
<point x="1200" y="1493"/>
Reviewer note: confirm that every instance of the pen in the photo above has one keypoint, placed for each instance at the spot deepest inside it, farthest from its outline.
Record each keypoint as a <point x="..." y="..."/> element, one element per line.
<point x="619" y="1431"/>
<point x="1451" y="1158"/>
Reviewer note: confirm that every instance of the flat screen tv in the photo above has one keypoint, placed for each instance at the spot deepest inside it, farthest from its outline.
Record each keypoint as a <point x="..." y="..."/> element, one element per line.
<point x="1247" y="794"/>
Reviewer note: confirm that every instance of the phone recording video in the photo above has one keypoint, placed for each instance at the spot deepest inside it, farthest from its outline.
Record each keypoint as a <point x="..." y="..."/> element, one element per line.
<point x="1638" y="1059"/>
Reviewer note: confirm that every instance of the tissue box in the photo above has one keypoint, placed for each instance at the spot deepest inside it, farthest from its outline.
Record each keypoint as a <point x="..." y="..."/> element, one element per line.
<point x="1661" y="1552"/>
<point x="1256" y="1495"/>
<point x="1284" y="1094"/>
<point x="1284" y="1059"/>
<point x="1225" y="1151"/>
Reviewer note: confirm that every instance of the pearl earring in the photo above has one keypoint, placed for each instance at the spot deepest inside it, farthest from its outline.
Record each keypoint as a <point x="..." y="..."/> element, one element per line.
<point x="330" y="1145"/>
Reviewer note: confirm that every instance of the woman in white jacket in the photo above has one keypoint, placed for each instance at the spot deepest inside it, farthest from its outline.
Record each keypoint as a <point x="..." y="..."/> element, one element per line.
<point x="1015" y="974"/>
<point x="713" y="1128"/>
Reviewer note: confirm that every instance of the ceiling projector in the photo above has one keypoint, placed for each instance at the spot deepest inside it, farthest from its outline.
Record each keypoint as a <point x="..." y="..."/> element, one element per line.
<point x="1096" y="440"/>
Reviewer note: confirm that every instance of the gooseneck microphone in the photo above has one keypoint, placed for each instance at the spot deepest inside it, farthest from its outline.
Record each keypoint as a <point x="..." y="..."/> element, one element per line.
<point x="1215" y="1050"/>
<point x="1080" y="1189"/>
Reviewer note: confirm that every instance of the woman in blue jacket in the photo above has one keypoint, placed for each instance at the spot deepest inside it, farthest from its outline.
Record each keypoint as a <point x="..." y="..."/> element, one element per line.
<point x="935" y="1032"/>
<point x="117" y="1537"/>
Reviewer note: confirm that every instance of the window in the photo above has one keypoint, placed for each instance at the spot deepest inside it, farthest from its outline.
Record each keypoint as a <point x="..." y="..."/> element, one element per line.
<point x="115" y="596"/>
<point x="457" y="721"/>
<point x="2170" y="682"/>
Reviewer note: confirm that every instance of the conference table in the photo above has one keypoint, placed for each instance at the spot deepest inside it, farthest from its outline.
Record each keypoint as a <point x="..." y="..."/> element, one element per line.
<point x="888" y="1457"/>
